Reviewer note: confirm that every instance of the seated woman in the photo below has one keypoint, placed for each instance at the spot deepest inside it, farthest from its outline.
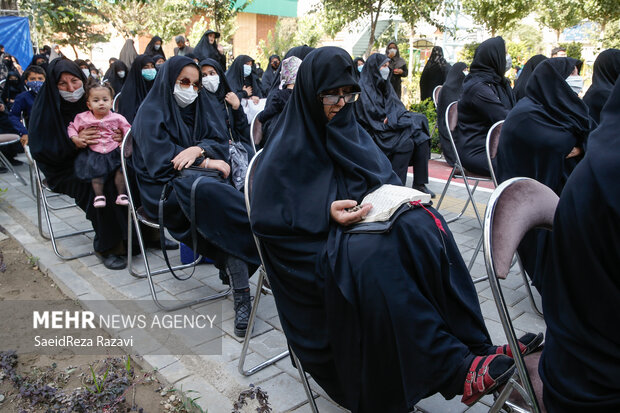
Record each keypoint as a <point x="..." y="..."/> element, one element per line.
<point x="171" y="133"/>
<point x="380" y="320"/>
<point x="117" y="75"/>
<point x="276" y="101"/>
<point x="298" y="51"/>
<point x="580" y="364"/>
<point x="542" y="138"/>
<point x="487" y="98"/>
<point x="451" y="91"/>
<point x="12" y="87"/>
<point x="526" y="73"/>
<point x="136" y="87"/>
<point x="604" y="75"/>
<point x="243" y="79"/>
<point x="401" y="135"/>
<point x="34" y="77"/>
<point x="60" y="99"/>
<point x="270" y="73"/>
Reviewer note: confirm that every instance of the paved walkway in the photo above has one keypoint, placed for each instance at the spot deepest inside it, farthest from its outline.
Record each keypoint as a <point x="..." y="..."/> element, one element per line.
<point x="215" y="377"/>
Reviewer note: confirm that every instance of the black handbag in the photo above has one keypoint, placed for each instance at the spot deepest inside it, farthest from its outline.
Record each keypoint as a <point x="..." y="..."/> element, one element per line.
<point x="238" y="157"/>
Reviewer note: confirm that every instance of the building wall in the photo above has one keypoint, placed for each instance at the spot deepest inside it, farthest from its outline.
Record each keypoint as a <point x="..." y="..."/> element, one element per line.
<point x="252" y="28"/>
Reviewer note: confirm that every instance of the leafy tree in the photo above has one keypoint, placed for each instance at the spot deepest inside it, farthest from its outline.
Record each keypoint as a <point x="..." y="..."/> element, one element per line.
<point x="573" y="50"/>
<point x="602" y="12"/>
<point x="497" y="15"/>
<point x="525" y="41"/>
<point x="559" y="15"/>
<point x="221" y="14"/>
<point x="290" y="32"/>
<point x="466" y="55"/>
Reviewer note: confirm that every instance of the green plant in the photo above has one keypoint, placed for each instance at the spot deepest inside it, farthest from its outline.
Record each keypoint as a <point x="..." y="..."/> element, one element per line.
<point x="466" y="55"/>
<point x="573" y="50"/>
<point x="427" y="108"/>
<point x="33" y="261"/>
<point x="98" y="384"/>
<point x="189" y="403"/>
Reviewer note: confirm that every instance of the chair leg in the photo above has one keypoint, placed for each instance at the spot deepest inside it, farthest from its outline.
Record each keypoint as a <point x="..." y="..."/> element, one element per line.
<point x="10" y="167"/>
<point x="304" y="381"/>
<point x="445" y="188"/>
<point x="471" y="192"/>
<point x="473" y="259"/>
<point x="526" y="281"/>
<point x="248" y="334"/>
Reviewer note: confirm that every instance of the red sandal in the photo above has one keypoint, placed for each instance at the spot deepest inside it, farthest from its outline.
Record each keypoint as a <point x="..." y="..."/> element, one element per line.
<point x="485" y="375"/>
<point x="528" y="344"/>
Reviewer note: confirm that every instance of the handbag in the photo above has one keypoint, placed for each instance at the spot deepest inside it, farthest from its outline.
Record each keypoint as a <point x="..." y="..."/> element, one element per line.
<point x="238" y="157"/>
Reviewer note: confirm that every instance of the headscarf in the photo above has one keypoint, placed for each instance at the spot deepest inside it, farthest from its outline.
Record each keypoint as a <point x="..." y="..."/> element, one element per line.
<point x="289" y="71"/>
<point x="150" y="47"/>
<point x="397" y="61"/>
<point x="489" y="66"/>
<point x="298" y="51"/>
<point x="48" y="140"/>
<point x="434" y="73"/>
<point x="269" y="74"/>
<point x="54" y="54"/>
<point x="356" y="71"/>
<point x="450" y="92"/>
<point x="526" y="72"/>
<point x="206" y="50"/>
<point x="128" y="53"/>
<point x="235" y="77"/>
<point x="340" y="160"/>
<point x="378" y="100"/>
<point x="134" y="89"/>
<point x="115" y="81"/>
<point x="605" y="72"/>
<point x="12" y="88"/>
<point x="37" y="57"/>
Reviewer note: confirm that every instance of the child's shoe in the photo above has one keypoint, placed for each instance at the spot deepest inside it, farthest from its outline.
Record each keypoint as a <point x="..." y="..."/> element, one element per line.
<point x="99" y="201"/>
<point x="122" y="200"/>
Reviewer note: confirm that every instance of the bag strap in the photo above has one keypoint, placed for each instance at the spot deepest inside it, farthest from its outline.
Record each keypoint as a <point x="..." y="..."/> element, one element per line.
<point x="228" y="116"/>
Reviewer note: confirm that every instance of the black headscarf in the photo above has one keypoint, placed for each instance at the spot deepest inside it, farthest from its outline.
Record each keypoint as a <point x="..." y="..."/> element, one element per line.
<point x="489" y="66"/>
<point x="579" y="364"/>
<point x="605" y="72"/>
<point x="526" y="72"/>
<point x="206" y="50"/>
<point x="340" y="159"/>
<point x="115" y="80"/>
<point x="128" y="53"/>
<point x="150" y="48"/>
<point x="160" y="56"/>
<point x="269" y="74"/>
<point x="297" y="51"/>
<point x="12" y="88"/>
<point x="450" y="92"/>
<point x="378" y="100"/>
<point x="134" y="89"/>
<point x="48" y="140"/>
<point x="236" y="80"/>
<point x="434" y="73"/>
<point x="356" y="71"/>
<point x="37" y="57"/>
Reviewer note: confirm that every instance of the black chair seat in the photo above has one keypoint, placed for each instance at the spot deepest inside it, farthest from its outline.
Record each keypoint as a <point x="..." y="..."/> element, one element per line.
<point x="145" y="219"/>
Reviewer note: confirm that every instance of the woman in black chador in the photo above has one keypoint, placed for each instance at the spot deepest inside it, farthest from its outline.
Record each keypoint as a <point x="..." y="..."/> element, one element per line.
<point x="171" y="133"/>
<point x="525" y="75"/>
<point x="379" y="320"/>
<point x="604" y="75"/>
<point x="243" y="79"/>
<point x="139" y="81"/>
<point x="60" y="99"/>
<point x="487" y="98"/>
<point x="542" y="138"/>
<point x="434" y="73"/>
<point x="155" y="47"/>
<point x="207" y="48"/>
<point x="451" y="91"/>
<point x="400" y="134"/>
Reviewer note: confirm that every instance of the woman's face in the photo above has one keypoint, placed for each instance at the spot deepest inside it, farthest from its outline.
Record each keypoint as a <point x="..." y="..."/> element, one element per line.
<point x="211" y="37"/>
<point x="331" y="110"/>
<point x="69" y="82"/>
<point x="208" y="70"/>
<point x="149" y="65"/>
<point x="574" y="72"/>
<point x="39" y="62"/>
<point x="190" y="73"/>
<point x="158" y="43"/>
<point x="160" y="61"/>
<point x="360" y="63"/>
<point x="386" y="64"/>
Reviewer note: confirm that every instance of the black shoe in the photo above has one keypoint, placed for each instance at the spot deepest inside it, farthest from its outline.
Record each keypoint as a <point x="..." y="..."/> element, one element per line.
<point x="112" y="261"/>
<point x="425" y="189"/>
<point x="243" y="306"/>
<point x="15" y="162"/>
<point x="168" y="244"/>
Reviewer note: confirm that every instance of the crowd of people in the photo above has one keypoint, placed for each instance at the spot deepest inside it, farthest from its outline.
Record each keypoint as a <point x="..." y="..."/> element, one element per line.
<point x="379" y="319"/>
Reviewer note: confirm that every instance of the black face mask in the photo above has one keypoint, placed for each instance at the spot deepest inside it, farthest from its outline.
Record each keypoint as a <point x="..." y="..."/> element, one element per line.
<point x="13" y="81"/>
<point x="275" y="64"/>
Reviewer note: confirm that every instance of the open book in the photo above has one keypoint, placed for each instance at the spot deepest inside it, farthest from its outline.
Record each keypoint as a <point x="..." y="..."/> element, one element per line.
<point x="388" y="198"/>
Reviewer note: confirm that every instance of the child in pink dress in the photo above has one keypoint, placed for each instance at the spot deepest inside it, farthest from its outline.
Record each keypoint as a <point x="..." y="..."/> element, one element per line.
<point x="102" y="159"/>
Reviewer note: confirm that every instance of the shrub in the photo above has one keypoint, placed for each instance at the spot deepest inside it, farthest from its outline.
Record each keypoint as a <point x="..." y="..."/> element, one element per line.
<point x="427" y="108"/>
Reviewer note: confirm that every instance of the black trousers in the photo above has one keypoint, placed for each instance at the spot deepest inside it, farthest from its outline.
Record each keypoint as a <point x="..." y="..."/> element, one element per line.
<point x="418" y="158"/>
<point x="11" y="150"/>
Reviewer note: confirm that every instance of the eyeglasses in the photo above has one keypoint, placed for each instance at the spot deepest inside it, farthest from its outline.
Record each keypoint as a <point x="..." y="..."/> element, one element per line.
<point x="334" y="99"/>
<point x="185" y="82"/>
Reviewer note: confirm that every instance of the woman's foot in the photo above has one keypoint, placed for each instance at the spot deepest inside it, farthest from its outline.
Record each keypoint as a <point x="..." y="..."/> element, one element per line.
<point x="99" y="202"/>
<point x="528" y="344"/>
<point x="486" y="374"/>
<point x="112" y="261"/>
<point x="122" y="200"/>
<point x="425" y="189"/>
<point x="243" y="306"/>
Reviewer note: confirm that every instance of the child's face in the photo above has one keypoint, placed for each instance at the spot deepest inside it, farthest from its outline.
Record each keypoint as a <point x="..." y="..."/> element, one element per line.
<point x="32" y="77"/>
<point x="99" y="101"/>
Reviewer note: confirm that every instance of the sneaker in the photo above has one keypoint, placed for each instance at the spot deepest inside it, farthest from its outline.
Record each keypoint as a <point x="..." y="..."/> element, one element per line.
<point x="99" y="202"/>
<point x="425" y="189"/>
<point x="486" y="374"/>
<point x="528" y="344"/>
<point x="243" y="306"/>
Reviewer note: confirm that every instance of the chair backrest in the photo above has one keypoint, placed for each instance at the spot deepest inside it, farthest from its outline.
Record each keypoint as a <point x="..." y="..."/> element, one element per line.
<point x="515" y="207"/>
<point x="452" y="116"/>
<point x="249" y="187"/>
<point x="436" y="94"/>
<point x="115" y="102"/>
<point x="492" y="145"/>
<point x="256" y="130"/>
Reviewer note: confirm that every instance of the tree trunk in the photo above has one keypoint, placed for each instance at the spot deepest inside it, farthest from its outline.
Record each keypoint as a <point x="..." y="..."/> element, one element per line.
<point x="373" y="27"/>
<point x="557" y="35"/>
<point x="75" y="51"/>
<point x="492" y="31"/>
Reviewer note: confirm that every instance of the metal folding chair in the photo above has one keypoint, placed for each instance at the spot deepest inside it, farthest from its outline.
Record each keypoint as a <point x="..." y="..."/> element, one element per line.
<point x="260" y="289"/>
<point x="135" y="217"/>
<point x="5" y="140"/>
<point x="458" y="172"/>
<point x="256" y="130"/>
<point x="436" y="94"/>
<point x="115" y="102"/>
<point x="517" y="206"/>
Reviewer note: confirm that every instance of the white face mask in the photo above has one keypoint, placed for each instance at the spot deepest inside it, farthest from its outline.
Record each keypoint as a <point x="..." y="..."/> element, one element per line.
<point x="392" y="52"/>
<point x="72" y="96"/>
<point x="157" y="47"/>
<point x="183" y="96"/>
<point x="465" y="72"/>
<point x="508" y="62"/>
<point x="211" y="83"/>
<point x="86" y="72"/>
<point x="385" y="72"/>
<point x="247" y="70"/>
<point x="575" y="82"/>
<point x="121" y="74"/>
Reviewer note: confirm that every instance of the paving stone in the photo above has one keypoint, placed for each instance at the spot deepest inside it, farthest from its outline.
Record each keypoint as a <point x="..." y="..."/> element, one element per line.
<point x="260" y="327"/>
<point x="510" y="296"/>
<point x="530" y="322"/>
<point x="437" y="404"/>
<point x="175" y="372"/>
<point x="65" y="274"/>
<point x="269" y="344"/>
<point x="160" y="361"/>
<point x="324" y="406"/>
<point x="208" y="397"/>
<point x="285" y="392"/>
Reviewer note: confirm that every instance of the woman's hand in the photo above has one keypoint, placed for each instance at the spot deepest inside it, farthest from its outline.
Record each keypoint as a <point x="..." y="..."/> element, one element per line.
<point x="88" y="136"/>
<point x="217" y="164"/>
<point x="248" y="90"/>
<point x="339" y="213"/>
<point x="255" y="99"/>
<point x="385" y="121"/>
<point x="186" y="157"/>
<point x="398" y="71"/>
<point x="574" y="152"/>
<point x="232" y="100"/>
<point x="24" y="140"/>
<point x="118" y="135"/>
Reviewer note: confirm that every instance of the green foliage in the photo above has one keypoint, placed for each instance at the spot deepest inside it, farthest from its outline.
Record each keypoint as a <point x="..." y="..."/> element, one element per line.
<point x="611" y="38"/>
<point x="497" y="15"/>
<point x="559" y="14"/>
<point x="522" y="42"/>
<point x="466" y="55"/>
<point x="427" y="108"/>
<point x="573" y="50"/>
<point x="98" y="383"/>
<point x="220" y="13"/>
<point x="290" y="32"/>
<point x="197" y="30"/>
<point x="601" y="11"/>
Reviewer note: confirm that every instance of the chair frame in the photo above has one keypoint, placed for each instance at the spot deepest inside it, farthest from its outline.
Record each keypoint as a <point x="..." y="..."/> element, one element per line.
<point x="134" y="219"/>
<point x="252" y="124"/>
<point x="525" y="388"/>
<point x="115" y="102"/>
<point x="4" y="161"/>
<point x="435" y="94"/>
<point x="260" y="289"/>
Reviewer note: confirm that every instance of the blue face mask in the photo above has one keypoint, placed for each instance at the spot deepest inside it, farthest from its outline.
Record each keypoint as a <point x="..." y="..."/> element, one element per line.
<point x="247" y="70"/>
<point x="35" y="85"/>
<point x="149" y="74"/>
<point x="359" y="68"/>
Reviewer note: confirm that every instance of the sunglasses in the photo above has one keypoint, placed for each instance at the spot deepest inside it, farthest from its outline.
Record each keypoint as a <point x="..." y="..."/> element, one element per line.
<point x="334" y="99"/>
<point x="185" y="83"/>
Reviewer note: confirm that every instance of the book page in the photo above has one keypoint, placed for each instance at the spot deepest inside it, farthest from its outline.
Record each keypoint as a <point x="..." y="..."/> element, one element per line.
<point x="388" y="198"/>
